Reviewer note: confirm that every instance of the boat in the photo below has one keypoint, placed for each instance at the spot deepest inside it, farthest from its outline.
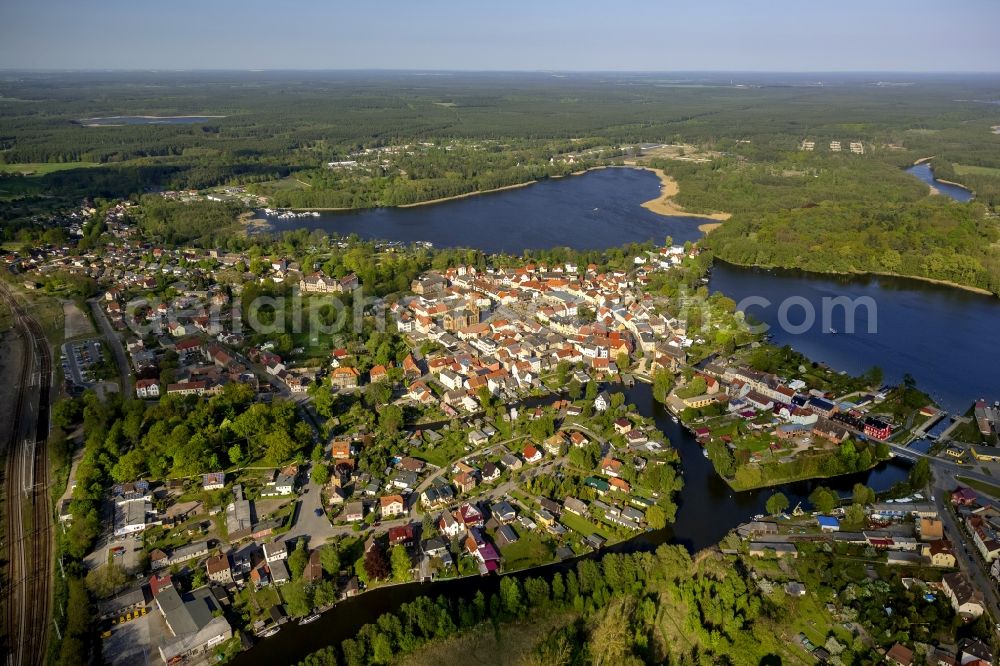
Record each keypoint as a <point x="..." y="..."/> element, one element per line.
<point x="270" y="632"/>
<point x="704" y="452"/>
<point x="308" y="620"/>
<point x="673" y="418"/>
<point x="833" y="331"/>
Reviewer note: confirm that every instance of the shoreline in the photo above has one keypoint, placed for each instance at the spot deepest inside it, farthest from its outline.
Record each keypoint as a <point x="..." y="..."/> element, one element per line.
<point x="944" y="283"/>
<point x="664" y="204"/>
<point x="474" y="193"/>
<point x="794" y="479"/>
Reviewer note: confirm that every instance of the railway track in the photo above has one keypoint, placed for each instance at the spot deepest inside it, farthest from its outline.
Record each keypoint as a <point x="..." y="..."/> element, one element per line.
<point x="27" y="508"/>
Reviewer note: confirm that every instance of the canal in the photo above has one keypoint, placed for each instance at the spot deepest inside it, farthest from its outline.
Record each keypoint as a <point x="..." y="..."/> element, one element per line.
<point x="707" y="510"/>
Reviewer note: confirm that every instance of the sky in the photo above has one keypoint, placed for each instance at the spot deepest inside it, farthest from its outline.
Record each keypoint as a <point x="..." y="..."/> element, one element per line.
<point x="580" y="35"/>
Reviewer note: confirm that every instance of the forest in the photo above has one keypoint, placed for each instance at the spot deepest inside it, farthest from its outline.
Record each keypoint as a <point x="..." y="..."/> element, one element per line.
<point x="453" y="134"/>
<point x="662" y="607"/>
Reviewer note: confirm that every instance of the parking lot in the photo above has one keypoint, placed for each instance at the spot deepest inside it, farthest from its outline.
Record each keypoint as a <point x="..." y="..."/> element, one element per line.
<point x="134" y="642"/>
<point x="78" y="358"/>
<point x="125" y="552"/>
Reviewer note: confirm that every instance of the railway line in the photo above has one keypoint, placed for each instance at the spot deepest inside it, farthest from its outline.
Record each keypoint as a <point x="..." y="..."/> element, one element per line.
<point x="28" y="538"/>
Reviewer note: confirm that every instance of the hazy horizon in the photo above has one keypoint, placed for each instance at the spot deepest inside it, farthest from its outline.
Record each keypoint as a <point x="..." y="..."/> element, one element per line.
<point x="893" y="36"/>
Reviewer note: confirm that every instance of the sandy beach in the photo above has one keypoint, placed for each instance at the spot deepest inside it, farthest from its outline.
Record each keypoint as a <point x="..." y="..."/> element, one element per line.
<point x="665" y="204"/>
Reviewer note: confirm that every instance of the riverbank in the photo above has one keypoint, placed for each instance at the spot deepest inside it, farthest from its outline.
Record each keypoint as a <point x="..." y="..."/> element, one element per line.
<point x="919" y="278"/>
<point x="664" y="204"/>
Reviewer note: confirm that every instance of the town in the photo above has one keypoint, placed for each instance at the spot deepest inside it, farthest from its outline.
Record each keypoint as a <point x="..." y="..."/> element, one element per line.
<point x="242" y="472"/>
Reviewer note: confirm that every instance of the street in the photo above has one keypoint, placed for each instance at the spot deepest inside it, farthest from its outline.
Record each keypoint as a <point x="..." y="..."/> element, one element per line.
<point x="117" y="350"/>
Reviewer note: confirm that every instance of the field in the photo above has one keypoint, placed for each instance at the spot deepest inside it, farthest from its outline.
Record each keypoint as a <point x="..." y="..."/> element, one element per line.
<point x="968" y="169"/>
<point x="43" y="168"/>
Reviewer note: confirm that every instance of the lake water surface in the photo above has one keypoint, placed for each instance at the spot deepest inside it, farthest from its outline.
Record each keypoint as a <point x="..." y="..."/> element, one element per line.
<point x="926" y="174"/>
<point x="592" y="211"/>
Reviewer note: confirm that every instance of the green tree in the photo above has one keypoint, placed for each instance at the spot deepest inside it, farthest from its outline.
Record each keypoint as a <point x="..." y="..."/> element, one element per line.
<point x="823" y="499"/>
<point x="920" y="474"/>
<point x="862" y="495"/>
<point x="776" y="503"/>
<point x="320" y="473"/>
<point x="298" y="559"/>
<point x="656" y="518"/>
<point x="510" y="596"/>
<point x="391" y="419"/>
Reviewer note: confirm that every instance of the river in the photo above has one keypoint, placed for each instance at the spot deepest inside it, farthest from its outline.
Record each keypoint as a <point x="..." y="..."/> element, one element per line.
<point x="592" y="211"/>
<point x="707" y="510"/>
<point x="944" y="337"/>
<point x="924" y="172"/>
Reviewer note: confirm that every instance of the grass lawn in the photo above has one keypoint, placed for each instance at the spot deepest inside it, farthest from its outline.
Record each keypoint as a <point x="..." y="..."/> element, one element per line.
<point x="966" y="169"/>
<point x="440" y="455"/>
<point x="981" y="486"/>
<point x="585" y="527"/>
<point x="530" y="550"/>
<point x="42" y="168"/>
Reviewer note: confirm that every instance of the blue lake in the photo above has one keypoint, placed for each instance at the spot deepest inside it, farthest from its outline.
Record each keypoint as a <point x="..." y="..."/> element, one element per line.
<point x="926" y="174"/>
<point x="592" y="211"/>
<point x="945" y="337"/>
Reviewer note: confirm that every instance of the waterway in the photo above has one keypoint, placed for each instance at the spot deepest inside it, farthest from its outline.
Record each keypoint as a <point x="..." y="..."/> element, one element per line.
<point x="591" y="211"/>
<point x="944" y="337"/>
<point x="925" y="173"/>
<point x="707" y="510"/>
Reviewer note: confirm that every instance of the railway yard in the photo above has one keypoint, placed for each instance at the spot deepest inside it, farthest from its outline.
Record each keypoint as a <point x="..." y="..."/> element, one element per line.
<point x="27" y="511"/>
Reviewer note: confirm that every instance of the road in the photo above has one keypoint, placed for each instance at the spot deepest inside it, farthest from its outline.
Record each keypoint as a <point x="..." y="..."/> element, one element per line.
<point x="965" y="551"/>
<point x="27" y="589"/>
<point x="310" y="516"/>
<point x="117" y="350"/>
<point x="948" y="466"/>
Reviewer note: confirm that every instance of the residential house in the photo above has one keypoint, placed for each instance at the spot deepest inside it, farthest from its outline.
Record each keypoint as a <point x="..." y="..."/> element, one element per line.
<point x="899" y="655"/>
<point x="279" y="572"/>
<point x="275" y="551"/>
<point x="941" y="554"/>
<point x="490" y="472"/>
<point x="344" y="377"/>
<point x="465" y="482"/>
<point x="354" y="512"/>
<point x="219" y="569"/>
<point x="147" y="388"/>
<point x="391" y="506"/>
<point x="965" y="598"/>
<point x="531" y="454"/>
<point x="402" y="535"/>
